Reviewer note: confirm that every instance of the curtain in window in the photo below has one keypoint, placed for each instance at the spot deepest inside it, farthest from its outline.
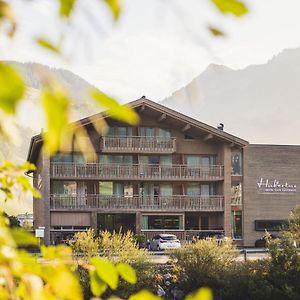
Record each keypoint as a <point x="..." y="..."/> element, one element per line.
<point x="166" y="190"/>
<point x="193" y="189"/>
<point x="166" y="160"/>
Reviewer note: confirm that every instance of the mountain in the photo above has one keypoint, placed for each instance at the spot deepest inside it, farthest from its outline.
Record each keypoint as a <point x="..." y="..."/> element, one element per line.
<point x="29" y="120"/>
<point x="260" y="103"/>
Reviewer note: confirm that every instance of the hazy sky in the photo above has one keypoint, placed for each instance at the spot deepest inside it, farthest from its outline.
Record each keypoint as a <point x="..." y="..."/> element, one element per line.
<point x="157" y="46"/>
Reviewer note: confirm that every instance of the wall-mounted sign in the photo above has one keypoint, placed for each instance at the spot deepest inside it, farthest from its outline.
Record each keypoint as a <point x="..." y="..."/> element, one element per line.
<point x="266" y="185"/>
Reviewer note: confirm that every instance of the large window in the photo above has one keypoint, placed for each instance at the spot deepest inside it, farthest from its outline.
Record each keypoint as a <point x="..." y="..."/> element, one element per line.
<point x="151" y="131"/>
<point x="64" y="187"/>
<point x="196" y="189"/>
<point x="109" y="188"/>
<point x="116" y="222"/>
<point x="119" y="131"/>
<point x="170" y="222"/>
<point x="200" y="160"/>
<point x="115" y="159"/>
<point x="75" y="157"/>
<point x="270" y="225"/>
<point x="236" y="220"/>
<point x="163" y="160"/>
<point x="155" y="189"/>
<point x="236" y="163"/>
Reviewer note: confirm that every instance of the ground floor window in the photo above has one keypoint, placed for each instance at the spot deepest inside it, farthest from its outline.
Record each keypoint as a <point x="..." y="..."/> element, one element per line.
<point x="270" y="225"/>
<point x="236" y="220"/>
<point x="162" y="222"/>
<point x="116" y="222"/>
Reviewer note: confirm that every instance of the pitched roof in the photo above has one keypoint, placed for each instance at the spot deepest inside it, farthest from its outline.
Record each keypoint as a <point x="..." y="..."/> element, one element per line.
<point x="37" y="140"/>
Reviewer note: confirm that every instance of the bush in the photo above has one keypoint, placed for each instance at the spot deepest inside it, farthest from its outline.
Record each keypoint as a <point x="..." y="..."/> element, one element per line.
<point x="85" y="244"/>
<point x="204" y="263"/>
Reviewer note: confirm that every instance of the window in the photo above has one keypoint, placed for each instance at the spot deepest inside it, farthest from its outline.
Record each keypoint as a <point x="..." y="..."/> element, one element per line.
<point x="188" y="137"/>
<point x="196" y="189"/>
<point x="154" y="189"/>
<point x="163" y="160"/>
<point x="163" y="132"/>
<point x="109" y="188"/>
<point x="236" y="193"/>
<point x="270" y="225"/>
<point x="64" y="187"/>
<point x="115" y="159"/>
<point x="165" y="222"/>
<point x="106" y="188"/>
<point x="146" y="131"/>
<point x="119" y="131"/>
<point x="236" y="163"/>
<point x="200" y="160"/>
<point x="236" y="224"/>
<point x="204" y="221"/>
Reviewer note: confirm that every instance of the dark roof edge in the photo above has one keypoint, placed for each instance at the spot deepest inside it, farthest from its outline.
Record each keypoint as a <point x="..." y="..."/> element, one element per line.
<point x="84" y="121"/>
<point x="211" y="129"/>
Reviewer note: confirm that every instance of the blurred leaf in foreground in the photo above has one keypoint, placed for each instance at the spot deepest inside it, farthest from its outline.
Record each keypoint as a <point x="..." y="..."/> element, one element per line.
<point x="48" y="45"/>
<point x="235" y="7"/>
<point x="202" y="294"/>
<point x="66" y="7"/>
<point x="6" y="14"/>
<point x="216" y="31"/>
<point x="114" y="109"/>
<point x="12" y="88"/>
<point x="56" y="106"/>
<point x="115" y="7"/>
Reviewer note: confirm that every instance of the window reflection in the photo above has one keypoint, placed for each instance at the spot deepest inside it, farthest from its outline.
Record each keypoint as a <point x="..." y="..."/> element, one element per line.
<point x="236" y="163"/>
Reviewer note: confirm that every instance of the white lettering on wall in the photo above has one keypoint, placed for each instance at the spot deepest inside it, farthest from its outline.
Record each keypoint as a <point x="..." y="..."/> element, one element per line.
<point x="275" y="186"/>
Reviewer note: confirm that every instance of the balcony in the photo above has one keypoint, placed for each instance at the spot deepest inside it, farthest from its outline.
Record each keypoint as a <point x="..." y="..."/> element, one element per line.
<point x="147" y="203"/>
<point x="97" y="171"/>
<point x="136" y="144"/>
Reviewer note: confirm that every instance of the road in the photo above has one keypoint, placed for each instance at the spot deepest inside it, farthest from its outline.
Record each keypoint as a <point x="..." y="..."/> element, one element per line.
<point x="160" y="257"/>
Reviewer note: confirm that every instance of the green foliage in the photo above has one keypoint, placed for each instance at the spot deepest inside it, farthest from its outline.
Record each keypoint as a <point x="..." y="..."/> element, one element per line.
<point x="235" y="7"/>
<point x="114" y="109"/>
<point x="293" y="230"/>
<point x="11" y="88"/>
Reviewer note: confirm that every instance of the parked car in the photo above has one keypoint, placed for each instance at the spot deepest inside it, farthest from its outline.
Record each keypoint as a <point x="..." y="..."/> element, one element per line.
<point x="163" y="242"/>
<point x="262" y="242"/>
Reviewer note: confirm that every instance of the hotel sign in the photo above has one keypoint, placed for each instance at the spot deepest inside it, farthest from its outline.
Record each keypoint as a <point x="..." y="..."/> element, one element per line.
<point x="274" y="186"/>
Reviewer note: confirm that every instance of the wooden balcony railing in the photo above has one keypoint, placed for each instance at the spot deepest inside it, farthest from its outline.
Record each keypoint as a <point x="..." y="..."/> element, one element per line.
<point x="180" y="202"/>
<point x="136" y="172"/>
<point x="135" y="144"/>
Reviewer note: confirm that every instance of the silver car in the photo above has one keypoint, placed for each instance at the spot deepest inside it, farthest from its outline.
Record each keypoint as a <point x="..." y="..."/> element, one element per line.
<point x="163" y="242"/>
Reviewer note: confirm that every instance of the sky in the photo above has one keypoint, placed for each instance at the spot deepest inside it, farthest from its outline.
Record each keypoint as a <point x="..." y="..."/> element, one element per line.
<point x="157" y="46"/>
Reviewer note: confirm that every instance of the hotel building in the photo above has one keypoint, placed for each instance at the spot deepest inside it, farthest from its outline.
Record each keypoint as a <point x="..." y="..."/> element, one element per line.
<point x="170" y="173"/>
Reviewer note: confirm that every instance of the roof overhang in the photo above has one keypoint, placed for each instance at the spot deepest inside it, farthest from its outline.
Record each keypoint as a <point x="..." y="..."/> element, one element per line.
<point x="141" y="106"/>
